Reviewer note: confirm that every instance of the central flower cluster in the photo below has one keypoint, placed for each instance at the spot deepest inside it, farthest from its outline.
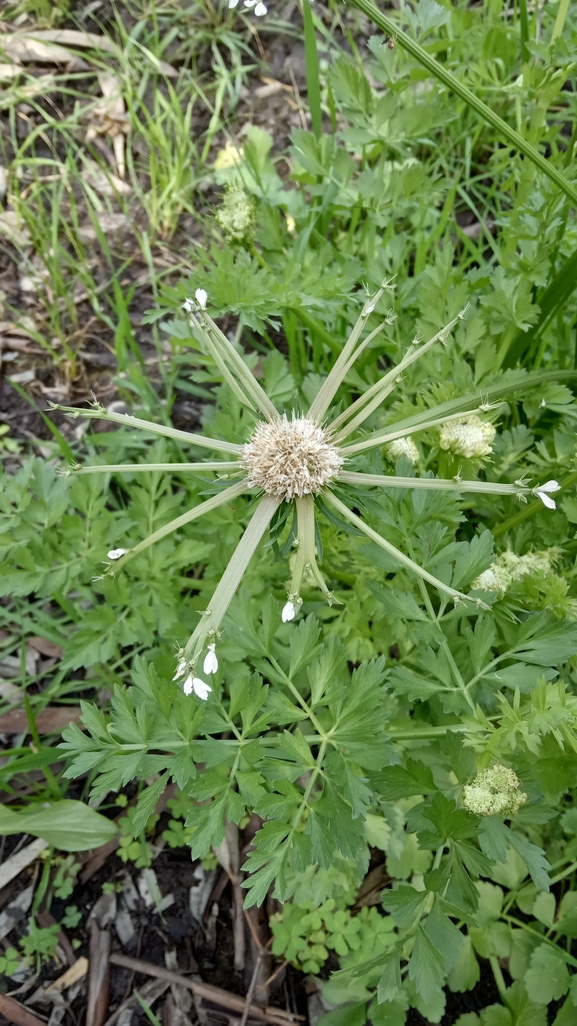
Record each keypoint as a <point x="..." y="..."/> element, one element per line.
<point x="290" y="458"/>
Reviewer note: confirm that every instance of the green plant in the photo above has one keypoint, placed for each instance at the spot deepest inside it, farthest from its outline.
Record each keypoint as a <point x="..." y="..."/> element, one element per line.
<point x="9" y="962"/>
<point x="296" y="460"/>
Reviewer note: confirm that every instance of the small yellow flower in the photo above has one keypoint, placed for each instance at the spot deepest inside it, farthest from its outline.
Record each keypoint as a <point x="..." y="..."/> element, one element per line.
<point x="230" y="156"/>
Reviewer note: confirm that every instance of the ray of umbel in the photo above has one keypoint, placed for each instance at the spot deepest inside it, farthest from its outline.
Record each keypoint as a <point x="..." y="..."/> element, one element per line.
<point x="293" y="460"/>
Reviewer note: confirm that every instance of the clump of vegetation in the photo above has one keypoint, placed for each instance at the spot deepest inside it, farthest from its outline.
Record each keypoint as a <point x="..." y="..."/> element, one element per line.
<point x="338" y="601"/>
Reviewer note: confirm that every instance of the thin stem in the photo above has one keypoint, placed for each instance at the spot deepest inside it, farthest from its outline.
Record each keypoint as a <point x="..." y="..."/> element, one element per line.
<point x="192" y="514"/>
<point x="330" y="386"/>
<point x="125" y="468"/>
<point x="434" y="483"/>
<point x="303" y="704"/>
<point x="211" y="620"/>
<point x="544" y="940"/>
<point x="391" y="549"/>
<point x="146" y="425"/>
<point x="376" y="394"/>
<point x="499" y="978"/>
<point x="382" y="437"/>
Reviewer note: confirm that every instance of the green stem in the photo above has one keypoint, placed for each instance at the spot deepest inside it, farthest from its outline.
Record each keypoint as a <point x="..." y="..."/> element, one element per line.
<point x="499" y="978"/>
<point x="544" y="940"/>
<point x="452" y="82"/>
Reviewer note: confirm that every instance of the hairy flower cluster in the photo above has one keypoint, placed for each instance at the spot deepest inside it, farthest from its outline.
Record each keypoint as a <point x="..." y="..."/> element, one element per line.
<point x="508" y="567"/>
<point x="494" y="792"/>
<point x="402" y="447"/>
<point x="470" y="437"/>
<point x="236" y="216"/>
<point x="290" y="458"/>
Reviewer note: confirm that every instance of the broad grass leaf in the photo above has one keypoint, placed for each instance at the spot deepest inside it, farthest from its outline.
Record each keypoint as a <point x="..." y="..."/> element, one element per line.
<point x="67" y="825"/>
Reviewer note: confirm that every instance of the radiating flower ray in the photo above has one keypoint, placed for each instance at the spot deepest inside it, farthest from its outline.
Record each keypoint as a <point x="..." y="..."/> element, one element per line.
<point x="519" y="489"/>
<point x="98" y="412"/>
<point x="345" y="359"/>
<point x="217" y="466"/>
<point x="221" y="499"/>
<point x="210" y="621"/>
<point x="401" y="558"/>
<point x="244" y="385"/>
<point x="370" y="400"/>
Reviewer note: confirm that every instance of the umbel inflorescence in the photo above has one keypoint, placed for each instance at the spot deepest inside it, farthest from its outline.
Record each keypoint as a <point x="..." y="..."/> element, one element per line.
<point x="293" y="459"/>
<point x="290" y="458"/>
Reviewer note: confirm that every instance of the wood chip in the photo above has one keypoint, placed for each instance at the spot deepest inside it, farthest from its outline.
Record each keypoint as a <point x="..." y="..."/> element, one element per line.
<point x="76" y="971"/>
<point x="46" y="647"/>
<point x="16" y="863"/>
<point x="217" y="995"/>
<point x="103" y="181"/>
<point x="15" y="911"/>
<point x="51" y="720"/>
<point x="16" y="1013"/>
<point x="99" y="979"/>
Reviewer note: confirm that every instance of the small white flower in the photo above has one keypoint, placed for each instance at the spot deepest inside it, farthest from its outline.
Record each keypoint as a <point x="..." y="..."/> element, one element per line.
<point x="231" y="4"/>
<point x="180" y="669"/>
<point x="188" y="306"/>
<point x="289" y="612"/>
<point x="260" y="10"/>
<point x="201" y="296"/>
<point x="197" y="685"/>
<point x="543" y="490"/>
<point x="117" y="553"/>
<point x="210" y="661"/>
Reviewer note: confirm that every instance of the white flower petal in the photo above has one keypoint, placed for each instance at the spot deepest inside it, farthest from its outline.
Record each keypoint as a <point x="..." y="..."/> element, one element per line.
<point x="116" y="553"/>
<point x="289" y="612"/>
<point x="231" y="4"/>
<point x="188" y="685"/>
<point x="200" y="688"/>
<point x="180" y="669"/>
<point x="188" y="306"/>
<point x="210" y="661"/>
<point x="260" y="10"/>
<point x="549" y="486"/>
<point x="201" y="296"/>
<point x="549" y="503"/>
